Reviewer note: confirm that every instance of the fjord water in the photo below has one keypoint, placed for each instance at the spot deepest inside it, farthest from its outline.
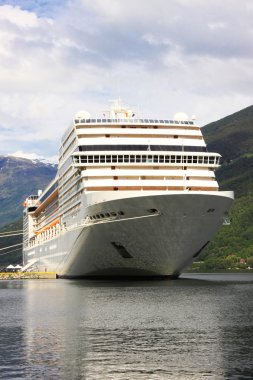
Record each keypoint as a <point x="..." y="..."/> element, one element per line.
<point x="196" y="327"/>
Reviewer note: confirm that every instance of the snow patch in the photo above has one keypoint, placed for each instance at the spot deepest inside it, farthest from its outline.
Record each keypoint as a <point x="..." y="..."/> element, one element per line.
<point x="34" y="157"/>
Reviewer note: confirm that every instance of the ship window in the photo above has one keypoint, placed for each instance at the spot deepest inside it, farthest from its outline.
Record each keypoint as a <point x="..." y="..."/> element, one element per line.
<point x="120" y="158"/>
<point x="107" y="214"/>
<point x="114" y="158"/>
<point x="179" y="159"/>
<point x="102" y="215"/>
<point x="138" y="158"/>
<point x="211" y="160"/>
<point x="98" y="216"/>
<point x="115" y="188"/>
<point x="173" y="159"/>
<point x="195" y="159"/>
<point x="108" y="158"/>
<point x="205" y="160"/>
<point x="113" y="213"/>
<point x="102" y="159"/>
<point x="155" y="158"/>
<point x="96" y="159"/>
<point x="132" y="158"/>
<point x="121" y="213"/>
<point x="161" y="159"/>
<point x="90" y="159"/>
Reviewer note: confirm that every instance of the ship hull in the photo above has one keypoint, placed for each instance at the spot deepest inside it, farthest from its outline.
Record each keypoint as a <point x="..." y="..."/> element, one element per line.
<point x="154" y="235"/>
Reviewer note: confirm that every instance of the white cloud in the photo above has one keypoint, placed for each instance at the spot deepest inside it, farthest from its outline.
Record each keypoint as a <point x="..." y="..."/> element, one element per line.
<point x="16" y="16"/>
<point x="183" y="55"/>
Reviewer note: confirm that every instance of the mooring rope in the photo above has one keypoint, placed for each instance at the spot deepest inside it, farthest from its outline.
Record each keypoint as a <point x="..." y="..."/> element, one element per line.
<point x="10" y="246"/>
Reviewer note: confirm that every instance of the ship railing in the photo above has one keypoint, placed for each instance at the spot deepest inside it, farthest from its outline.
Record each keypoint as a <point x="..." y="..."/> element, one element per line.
<point x="133" y="121"/>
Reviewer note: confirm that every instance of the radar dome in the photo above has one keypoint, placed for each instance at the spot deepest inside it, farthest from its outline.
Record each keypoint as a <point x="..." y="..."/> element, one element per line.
<point x="82" y="115"/>
<point x="181" y="116"/>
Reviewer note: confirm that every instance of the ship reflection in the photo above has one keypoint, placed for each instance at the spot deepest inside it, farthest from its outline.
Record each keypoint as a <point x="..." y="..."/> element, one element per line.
<point x="55" y="340"/>
<point x="180" y="329"/>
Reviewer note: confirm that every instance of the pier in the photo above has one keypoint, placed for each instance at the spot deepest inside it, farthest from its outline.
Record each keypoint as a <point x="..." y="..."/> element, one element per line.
<point x="27" y="275"/>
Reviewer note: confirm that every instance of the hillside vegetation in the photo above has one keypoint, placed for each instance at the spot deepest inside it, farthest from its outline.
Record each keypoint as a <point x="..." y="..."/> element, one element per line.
<point x="232" y="137"/>
<point x="14" y="255"/>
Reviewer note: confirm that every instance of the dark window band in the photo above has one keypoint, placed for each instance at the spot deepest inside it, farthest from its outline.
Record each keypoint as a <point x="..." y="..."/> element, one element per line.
<point x="154" y="148"/>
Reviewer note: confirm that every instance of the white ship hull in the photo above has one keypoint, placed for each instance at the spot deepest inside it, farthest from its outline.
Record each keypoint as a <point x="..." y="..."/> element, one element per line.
<point x="157" y="234"/>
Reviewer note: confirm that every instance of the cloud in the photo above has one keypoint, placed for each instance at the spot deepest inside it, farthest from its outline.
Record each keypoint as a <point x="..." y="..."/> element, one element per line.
<point x="161" y="57"/>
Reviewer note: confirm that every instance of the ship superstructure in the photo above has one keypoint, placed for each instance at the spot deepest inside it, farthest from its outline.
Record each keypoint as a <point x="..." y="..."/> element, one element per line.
<point x="132" y="196"/>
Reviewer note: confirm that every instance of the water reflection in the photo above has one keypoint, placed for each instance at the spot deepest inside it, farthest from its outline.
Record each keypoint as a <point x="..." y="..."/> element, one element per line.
<point x="192" y="328"/>
<point x="55" y="344"/>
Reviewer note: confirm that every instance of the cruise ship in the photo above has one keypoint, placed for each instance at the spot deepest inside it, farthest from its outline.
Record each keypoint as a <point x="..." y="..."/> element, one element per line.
<point x="132" y="197"/>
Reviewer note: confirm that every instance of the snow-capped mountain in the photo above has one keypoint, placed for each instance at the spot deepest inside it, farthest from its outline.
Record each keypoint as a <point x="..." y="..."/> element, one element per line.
<point x="20" y="177"/>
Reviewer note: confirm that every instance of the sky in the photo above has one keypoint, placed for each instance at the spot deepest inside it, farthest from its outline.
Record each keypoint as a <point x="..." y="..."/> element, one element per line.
<point x="161" y="57"/>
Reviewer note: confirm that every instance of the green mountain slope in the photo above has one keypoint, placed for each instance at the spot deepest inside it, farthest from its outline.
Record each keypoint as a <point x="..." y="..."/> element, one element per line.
<point x="11" y="255"/>
<point x="231" y="136"/>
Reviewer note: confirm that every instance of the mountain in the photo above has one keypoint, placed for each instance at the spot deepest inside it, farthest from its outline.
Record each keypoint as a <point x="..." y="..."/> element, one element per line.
<point x="232" y="137"/>
<point x="13" y="255"/>
<point x="20" y="177"/>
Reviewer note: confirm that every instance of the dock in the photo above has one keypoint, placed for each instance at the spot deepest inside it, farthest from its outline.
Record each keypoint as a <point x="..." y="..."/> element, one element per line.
<point x="27" y="275"/>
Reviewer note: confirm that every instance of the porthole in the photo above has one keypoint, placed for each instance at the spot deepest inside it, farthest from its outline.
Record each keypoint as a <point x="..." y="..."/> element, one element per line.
<point x="121" y="213"/>
<point x="153" y="210"/>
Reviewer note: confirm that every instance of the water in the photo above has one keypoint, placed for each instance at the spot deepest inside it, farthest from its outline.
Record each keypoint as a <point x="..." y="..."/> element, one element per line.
<point x="197" y="327"/>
